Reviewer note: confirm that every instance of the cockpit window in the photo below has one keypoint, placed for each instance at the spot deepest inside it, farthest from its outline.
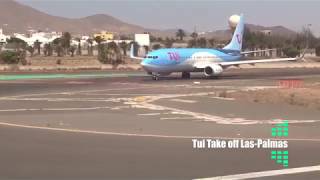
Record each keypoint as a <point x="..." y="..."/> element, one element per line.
<point x="151" y="57"/>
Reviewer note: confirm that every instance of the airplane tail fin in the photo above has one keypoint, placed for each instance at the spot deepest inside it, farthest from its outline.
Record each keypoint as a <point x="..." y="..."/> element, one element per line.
<point x="236" y="42"/>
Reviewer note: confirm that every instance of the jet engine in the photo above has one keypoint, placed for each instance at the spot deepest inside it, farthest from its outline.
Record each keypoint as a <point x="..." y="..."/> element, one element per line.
<point x="213" y="70"/>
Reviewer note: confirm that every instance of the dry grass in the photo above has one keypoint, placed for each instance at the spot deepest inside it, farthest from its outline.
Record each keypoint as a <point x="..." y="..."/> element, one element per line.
<point x="308" y="97"/>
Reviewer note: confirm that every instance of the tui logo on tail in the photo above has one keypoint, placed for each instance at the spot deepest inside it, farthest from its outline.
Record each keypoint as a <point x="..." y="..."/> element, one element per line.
<point x="239" y="38"/>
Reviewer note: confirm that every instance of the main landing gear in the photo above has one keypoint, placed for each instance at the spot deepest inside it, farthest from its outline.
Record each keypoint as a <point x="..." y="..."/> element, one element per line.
<point x="185" y="75"/>
<point x="155" y="77"/>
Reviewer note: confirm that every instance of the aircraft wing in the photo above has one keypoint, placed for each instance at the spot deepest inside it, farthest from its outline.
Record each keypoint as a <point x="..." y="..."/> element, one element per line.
<point x="249" y="52"/>
<point x="235" y="63"/>
<point x="203" y="64"/>
<point x="232" y="63"/>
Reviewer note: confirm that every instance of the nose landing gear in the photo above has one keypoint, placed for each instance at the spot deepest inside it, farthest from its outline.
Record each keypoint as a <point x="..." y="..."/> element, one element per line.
<point x="155" y="77"/>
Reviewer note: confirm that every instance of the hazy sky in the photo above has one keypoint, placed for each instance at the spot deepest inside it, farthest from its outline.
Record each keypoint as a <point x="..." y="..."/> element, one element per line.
<point x="204" y="14"/>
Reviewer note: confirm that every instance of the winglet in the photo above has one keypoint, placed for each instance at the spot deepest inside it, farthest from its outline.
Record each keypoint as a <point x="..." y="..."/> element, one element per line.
<point x="132" y="53"/>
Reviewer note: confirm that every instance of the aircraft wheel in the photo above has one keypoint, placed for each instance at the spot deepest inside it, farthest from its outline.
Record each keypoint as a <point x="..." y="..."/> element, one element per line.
<point x="186" y="75"/>
<point x="155" y="77"/>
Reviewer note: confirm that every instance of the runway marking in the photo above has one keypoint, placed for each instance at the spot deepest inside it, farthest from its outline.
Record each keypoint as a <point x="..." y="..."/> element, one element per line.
<point x="266" y="173"/>
<point x="64" y="99"/>
<point x="143" y="135"/>
<point x="146" y="103"/>
<point x="150" y="114"/>
<point x="175" y="118"/>
<point x="224" y="98"/>
<point x="76" y="92"/>
<point x="79" y="82"/>
<point x="117" y="89"/>
<point x="183" y="100"/>
<point x="56" y="109"/>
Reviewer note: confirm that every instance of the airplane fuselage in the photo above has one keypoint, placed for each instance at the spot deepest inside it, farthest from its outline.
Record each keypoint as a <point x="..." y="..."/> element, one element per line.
<point x="183" y="59"/>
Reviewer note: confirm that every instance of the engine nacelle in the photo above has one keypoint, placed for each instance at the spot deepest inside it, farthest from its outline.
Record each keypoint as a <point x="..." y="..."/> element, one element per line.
<point x="213" y="70"/>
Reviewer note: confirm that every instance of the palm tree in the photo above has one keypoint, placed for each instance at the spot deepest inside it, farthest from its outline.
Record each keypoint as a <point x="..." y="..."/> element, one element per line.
<point x="59" y="50"/>
<point x="17" y="43"/>
<point x="159" y="39"/>
<point x="202" y="42"/>
<point x="66" y="41"/>
<point x="79" y="46"/>
<point x="194" y="35"/>
<point x="31" y="50"/>
<point x="146" y="49"/>
<point x="212" y="42"/>
<point x="192" y="43"/>
<point x="72" y="49"/>
<point x="136" y="47"/>
<point x="50" y="49"/>
<point x="156" y="46"/>
<point x="99" y="40"/>
<point x="90" y="49"/>
<point x="46" y="49"/>
<point x="168" y="43"/>
<point x="58" y="46"/>
<point x="124" y="46"/>
<point x="180" y="34"/>
<point x="37" y="45"/>
<point x="112" y="52"/>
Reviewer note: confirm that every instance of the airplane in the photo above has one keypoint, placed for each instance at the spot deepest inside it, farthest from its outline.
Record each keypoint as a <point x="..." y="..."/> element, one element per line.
<point x="212" y="62"/>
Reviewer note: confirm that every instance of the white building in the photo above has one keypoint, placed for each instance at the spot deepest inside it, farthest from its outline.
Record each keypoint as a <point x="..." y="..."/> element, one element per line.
<point x="3" y="38"/>
<point x="142" y="39"/>
<point x="266" y="32"/>
<point x="42" y="37"/>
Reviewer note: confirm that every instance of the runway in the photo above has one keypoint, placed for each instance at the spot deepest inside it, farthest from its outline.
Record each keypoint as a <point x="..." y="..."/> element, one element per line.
<point x="130" y="127"/>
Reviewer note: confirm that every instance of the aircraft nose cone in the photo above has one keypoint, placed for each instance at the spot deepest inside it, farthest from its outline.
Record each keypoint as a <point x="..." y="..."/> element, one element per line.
<point x="145" y="65"/>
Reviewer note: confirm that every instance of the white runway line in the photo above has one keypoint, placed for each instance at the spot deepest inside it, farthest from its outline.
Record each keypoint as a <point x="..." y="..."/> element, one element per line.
<point x="74" y="92"/>
<point x="139" y="135"/>
<point x="150" y="114"/>
<point x="266" y="173"/>
<point x="183" y="100"/>
<point x="58" y="109"/>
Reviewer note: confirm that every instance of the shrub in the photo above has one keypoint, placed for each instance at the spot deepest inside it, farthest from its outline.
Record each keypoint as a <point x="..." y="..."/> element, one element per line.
<point x="24" y="62"/>
<point x="10" y="57"/>
<point x="156" y="46"/>
<point x="318" y="50"/>
<point x="291" y="51"/>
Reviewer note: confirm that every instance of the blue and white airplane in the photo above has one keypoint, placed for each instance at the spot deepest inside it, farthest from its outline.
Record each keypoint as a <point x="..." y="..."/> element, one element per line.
<point x="212" y="62"/>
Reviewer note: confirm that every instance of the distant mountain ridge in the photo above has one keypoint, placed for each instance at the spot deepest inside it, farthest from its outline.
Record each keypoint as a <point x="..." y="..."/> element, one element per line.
<point x="275" y="31"/>
<point x="20" y="18"/>
<point x="16" y="17"/>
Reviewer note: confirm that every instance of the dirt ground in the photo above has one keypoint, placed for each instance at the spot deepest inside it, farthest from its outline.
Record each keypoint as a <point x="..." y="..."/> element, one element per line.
<point x="308" y="96"/>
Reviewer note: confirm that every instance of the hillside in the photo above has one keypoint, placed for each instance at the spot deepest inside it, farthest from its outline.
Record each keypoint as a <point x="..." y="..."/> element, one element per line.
<point x="20" y="18"/>
<point x="17" y="17"/>
<point x="275" y="30"/>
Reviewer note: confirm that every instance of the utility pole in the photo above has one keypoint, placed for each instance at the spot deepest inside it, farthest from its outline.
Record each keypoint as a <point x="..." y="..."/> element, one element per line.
<point x="308" y="35"/>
